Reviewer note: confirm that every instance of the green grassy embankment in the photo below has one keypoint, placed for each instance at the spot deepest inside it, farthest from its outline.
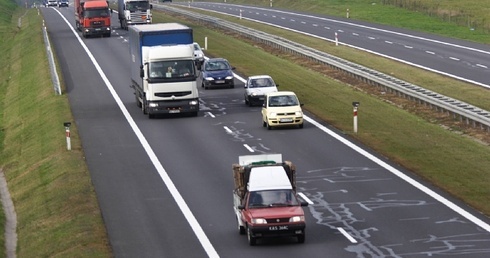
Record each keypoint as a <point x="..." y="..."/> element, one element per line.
<point x="56" y="206"/>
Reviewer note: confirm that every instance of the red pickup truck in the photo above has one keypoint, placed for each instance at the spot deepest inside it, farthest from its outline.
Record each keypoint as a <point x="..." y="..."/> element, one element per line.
<point x="265" y="200"/>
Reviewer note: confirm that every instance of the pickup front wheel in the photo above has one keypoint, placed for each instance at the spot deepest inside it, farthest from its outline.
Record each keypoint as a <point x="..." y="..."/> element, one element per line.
<point x="251" y="239"/>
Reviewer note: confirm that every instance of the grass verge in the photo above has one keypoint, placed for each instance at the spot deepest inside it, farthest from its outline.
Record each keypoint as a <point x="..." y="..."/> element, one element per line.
<point x="56" y="206"/>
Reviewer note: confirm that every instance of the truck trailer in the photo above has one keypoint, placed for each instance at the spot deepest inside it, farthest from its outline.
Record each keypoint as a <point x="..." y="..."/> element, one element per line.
<point x="163" y="69"/>
<point x="132" y="12"/>
<point x="93" y="17"/>
<point x="265" y="200"/>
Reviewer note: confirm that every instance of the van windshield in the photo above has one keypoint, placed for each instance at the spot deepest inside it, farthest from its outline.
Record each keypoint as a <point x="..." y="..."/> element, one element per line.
<point x="272" y="198"/>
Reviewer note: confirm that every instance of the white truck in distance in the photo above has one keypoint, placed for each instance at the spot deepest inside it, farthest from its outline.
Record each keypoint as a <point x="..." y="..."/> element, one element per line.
<point x="132" y="12"/>
<point x="163" y="69"/>
<point x="265" y="200"/>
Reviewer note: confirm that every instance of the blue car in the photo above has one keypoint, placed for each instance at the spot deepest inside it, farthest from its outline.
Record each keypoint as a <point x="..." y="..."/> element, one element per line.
<point x="217" y="72"/>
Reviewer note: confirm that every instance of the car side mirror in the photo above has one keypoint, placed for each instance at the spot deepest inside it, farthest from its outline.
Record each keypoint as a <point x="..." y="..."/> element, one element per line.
<point x="151" y="6"/>
<point x="301" y="104"/>
<point x="241" y="207"/>
<point x="304" y="204"/>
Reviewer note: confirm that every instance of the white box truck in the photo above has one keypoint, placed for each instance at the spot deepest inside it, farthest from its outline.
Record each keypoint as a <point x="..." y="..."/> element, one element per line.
<point x="163" y="69"/>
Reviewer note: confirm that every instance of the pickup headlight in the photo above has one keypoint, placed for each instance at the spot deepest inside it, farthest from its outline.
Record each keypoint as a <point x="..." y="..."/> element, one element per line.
<point x="259" y="221"/>
<point x="297" y="219"/>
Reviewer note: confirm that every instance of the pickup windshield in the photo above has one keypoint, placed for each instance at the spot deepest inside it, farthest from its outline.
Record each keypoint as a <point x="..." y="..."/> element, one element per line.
<point x="272" y="198"/>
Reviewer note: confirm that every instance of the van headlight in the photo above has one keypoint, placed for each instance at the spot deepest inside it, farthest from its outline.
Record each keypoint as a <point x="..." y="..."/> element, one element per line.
<point x="297" y="219"/>
<point x="259" y="221"/>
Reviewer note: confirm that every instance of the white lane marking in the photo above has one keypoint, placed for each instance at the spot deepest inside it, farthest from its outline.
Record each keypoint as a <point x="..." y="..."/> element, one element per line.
<point x="454" y="58"/>
<point x="210" y="114"/>
<point x="227" y="129"/>
<point x="186" y="211"/>
<point x="430" y="52"/>
<point x="306" y="199"/>
<point x="389" y="42"/>
<point x="248" y="148"/>
<point x="482" y="66"/>
<point x="401" y="175"/>
<point x="410" y="47"/>
<point x="351" y="239"/>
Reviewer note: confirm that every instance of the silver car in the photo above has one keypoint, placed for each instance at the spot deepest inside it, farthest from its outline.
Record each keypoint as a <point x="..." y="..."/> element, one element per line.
<point x="256" y="87"/>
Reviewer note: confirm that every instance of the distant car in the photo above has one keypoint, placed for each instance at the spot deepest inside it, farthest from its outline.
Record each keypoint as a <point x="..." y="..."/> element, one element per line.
<point x="256" y="87"/>
<point x="63" y="3"/>
<point x="282" y="108"/>
<point x="217" y="72"/>
<point x="198" y="54"/>
<point x="52" y="2"/>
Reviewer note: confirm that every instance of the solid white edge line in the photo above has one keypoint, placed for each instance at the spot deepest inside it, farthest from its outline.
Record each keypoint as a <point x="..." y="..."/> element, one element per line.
<point x="351" y="239"/>
<point x="406" y="178"/>
<point x="198" y="231"/>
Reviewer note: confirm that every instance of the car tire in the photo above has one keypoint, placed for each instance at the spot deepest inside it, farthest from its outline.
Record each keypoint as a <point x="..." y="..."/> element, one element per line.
<point x="269" y="127"/>
<point x="251" y="239"/>
<point x="264" y="124"/>
<point x="241" y="229"/>
<point x="301" y="125"/>
<point x="301" y="238"/>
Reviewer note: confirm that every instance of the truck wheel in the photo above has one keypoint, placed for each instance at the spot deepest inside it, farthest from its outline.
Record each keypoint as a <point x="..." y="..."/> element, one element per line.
<point x="138" y="102"/>
<point x="144" y="108"/>
<point x="251" y="239"/>
<point x="301" y="239"/>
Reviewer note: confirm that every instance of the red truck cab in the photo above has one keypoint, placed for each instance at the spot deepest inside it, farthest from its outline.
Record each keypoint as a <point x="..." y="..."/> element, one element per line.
<point x="93" y="17"/>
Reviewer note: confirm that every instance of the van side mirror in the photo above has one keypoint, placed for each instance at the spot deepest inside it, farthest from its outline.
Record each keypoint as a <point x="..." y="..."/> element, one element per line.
<point x="142" y="72"/>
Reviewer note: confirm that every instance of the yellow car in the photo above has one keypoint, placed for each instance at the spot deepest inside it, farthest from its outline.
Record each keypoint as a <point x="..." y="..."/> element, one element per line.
<point x="282" y="108"/>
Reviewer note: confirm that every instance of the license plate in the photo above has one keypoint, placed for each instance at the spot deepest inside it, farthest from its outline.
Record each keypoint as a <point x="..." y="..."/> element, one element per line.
<point x="97" y="29"/>
<point x="286" y="120"/>
<point x="274" y="228"/>
<point x="220" y="81"/>
<point x="173" y="111"/>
